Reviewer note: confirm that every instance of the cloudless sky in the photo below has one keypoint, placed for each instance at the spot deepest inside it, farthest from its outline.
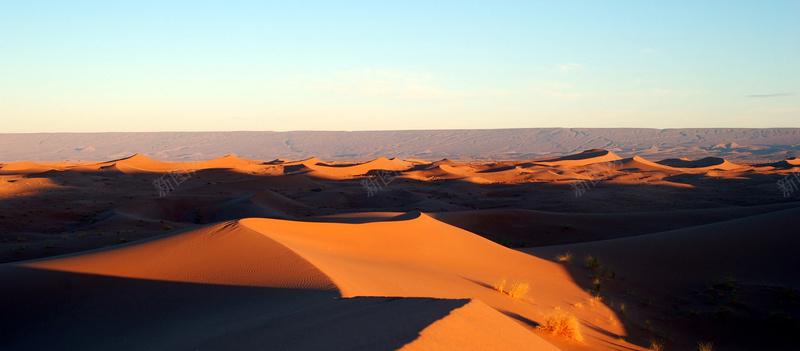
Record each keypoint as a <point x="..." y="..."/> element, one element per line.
<point x="93" y="66"/>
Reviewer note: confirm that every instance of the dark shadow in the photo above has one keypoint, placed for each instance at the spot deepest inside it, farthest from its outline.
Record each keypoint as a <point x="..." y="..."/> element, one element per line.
<point x="294" y="168"/>
<point x="478" y="283"/>
<point x="53" y="310"/>
<point x="522" y="319"/>
<point x="365" y="218"/>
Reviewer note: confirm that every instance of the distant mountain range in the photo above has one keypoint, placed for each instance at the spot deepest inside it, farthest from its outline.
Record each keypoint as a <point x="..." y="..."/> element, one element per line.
<point x="742" y="145"/>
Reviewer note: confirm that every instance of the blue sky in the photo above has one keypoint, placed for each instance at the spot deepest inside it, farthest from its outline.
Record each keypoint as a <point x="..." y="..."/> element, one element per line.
<point x="76" y="66"/>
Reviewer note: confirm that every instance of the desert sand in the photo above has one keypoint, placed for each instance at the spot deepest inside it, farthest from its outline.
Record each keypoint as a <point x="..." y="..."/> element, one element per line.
<point x="399" y="253"/>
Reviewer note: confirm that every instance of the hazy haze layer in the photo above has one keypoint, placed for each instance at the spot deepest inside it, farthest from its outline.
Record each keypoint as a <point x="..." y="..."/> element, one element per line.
<point x="482" y="144"/>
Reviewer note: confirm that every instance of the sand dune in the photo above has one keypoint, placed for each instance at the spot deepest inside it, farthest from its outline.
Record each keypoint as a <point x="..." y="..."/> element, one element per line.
<point x="138" y="161"/>
<point x="755" y="249"/>
<point x="352" y="170"/>
<point x="25" y="167"/>
<point x="538" y="228"/>
<point x="705" y="163"/>
<point x="454" y="172"/>
<point x="788" y="163"/>
<point x="641" y="164"/>
<point x="264" y="203"/>
<point x="226" y="254"/>
<point x="692" y="278"/>
<point x="433" y="172"/>
<point x="372" y="259"/>
<point x="228" y="161"/>
<point x="239" y="253"/>
<point x="476" y="327"/>
<point x="582" y="159"/>
<point x="14" y="186"/>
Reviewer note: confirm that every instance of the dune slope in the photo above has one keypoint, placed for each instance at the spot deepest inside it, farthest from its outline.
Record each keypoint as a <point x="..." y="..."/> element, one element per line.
<point x="732" y="279"/>
<point x="245" y="284"/>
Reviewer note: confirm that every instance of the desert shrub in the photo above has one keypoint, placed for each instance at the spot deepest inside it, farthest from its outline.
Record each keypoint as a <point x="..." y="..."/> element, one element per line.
<point x="656" y="345"/>
<point x="562" y="324"/>
<point x="705" y="346"/>
<point x="565" y="258"/>
<point x="595" y="300"/>
<point x="597" y="284"/>
<point x="592" y="262"/>
<point x="648" y="325"/>
<point x="518" y="289"/>
<point x="500" y="285"/>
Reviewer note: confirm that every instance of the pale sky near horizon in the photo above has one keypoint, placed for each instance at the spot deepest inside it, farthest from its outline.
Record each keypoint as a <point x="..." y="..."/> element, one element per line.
<point x="96" y="66"/>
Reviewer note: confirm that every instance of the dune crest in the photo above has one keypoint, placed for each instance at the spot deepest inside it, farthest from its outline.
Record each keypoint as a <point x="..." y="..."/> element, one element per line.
<point x="402" y="258"/>
<point x="640" y="163"/>
<point x="228" y="161"/>
<point x="224" y="254"/>
<point x="581" y="159"/>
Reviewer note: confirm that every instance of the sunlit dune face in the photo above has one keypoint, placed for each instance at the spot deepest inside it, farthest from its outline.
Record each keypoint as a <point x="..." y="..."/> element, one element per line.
<point x="11" y="186"/>
<point x="224" y="254"/>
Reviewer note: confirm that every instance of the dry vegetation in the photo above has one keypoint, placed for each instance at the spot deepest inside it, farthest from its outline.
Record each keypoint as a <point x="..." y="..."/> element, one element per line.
<point x="656" y="345"/>
<point x="592" y="262"/>
<point x="500" y="285"/>
<point x="565" y="258"/>
<point x="562" y="324"/>
<point x="516" y="290"/>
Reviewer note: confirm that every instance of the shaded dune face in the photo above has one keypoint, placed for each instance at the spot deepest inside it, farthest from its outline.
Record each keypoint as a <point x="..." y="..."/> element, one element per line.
<point x="432" y="276"/>
<point x="708" y="162"/>
<point x="724" y="277"/>
<point x="246" y="254"/>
